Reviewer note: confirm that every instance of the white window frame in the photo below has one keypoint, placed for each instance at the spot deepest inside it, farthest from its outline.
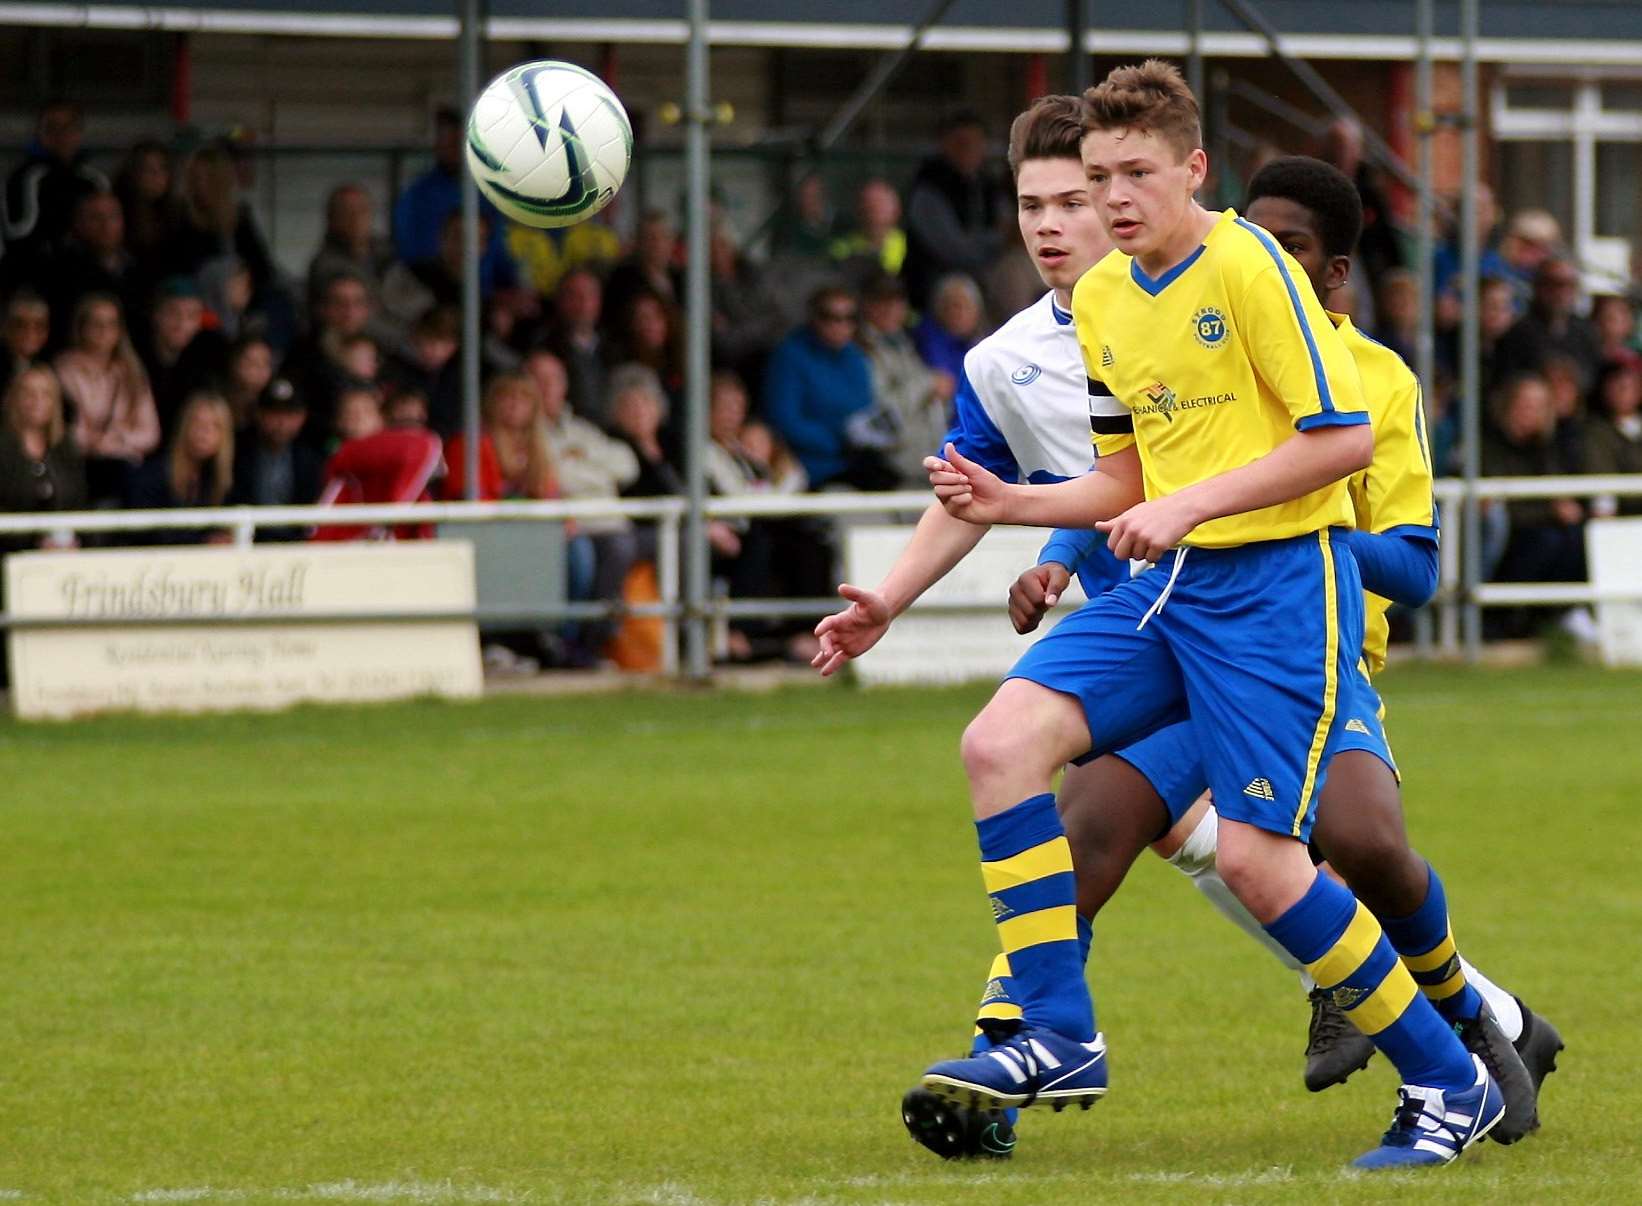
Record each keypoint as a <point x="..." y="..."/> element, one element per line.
<point x="1584" y="125"/>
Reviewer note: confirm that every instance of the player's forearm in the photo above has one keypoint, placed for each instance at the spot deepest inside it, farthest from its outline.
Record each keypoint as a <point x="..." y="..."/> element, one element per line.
<point x="1306" y="461"/>
<point x="1081" y="502"/>
<point x="938" y="544"/>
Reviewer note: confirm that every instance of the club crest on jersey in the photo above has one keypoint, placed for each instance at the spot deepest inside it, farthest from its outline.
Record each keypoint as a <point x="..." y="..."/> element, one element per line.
<point x="1209" y="325"/>
<point x="1026" y="374"/>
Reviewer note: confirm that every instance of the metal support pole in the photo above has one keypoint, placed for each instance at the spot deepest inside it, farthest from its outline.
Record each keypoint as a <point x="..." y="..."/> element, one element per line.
<point x="1078" y="77"/>
<point x="1470" y="344"/>
<point x="468" y="54"/>
<point x="698" y="322"/>
<point x="1425" y="246"/>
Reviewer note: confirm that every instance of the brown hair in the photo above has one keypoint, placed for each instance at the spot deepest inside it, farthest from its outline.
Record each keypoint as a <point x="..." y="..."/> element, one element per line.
<point x="133" y="376"/>
<point x="1151" y="98"/>
<point x="1051" y="127"/>
<point x="54" y="424"/>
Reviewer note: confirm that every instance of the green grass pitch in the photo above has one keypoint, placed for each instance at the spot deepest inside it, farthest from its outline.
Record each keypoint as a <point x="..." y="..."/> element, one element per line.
<point x="685" y="949"/>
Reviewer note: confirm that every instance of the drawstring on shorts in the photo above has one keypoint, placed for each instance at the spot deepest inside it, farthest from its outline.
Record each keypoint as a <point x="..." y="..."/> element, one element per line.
<point x="1168" y="587"/>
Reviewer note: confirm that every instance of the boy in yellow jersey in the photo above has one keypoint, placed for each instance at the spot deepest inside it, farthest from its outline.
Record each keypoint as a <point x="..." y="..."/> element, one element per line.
<point x="1248" y="414"/>
<point x="1122" y="801"/>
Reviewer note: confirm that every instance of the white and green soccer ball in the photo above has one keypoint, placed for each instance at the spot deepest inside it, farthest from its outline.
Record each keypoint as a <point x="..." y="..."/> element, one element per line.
<point x="549" y="143"/>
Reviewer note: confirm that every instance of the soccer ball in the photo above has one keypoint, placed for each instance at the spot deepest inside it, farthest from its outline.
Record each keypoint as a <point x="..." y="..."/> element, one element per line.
<point x="549" y="143"/>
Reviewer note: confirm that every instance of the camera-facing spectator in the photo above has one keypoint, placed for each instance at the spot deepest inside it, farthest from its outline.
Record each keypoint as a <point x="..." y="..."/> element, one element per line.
<point x="1614" y="318"/>
<point x="913" y="397"/>
<point x="651" y="268"/>
<point x="638" y="408"/>
<point x="591" y="464"/>
<point x="195" y="470"/>
<point x="93" y="258"/>
<point x="804" y="229"/>
<point x="955" y="211"/>
<point x="576" y="339"/>
<point x="272" y="468"/>
<point x="153" y="215"/>
<point x="116" y="424"/>
<point x="1545" y="542"/>
<point x="40" y="467"/>
<point x="181" y="356"/>
<point x="1613" y="434"/>
<point x="432" y="368"/>
<point x="350" y="245"/>
<point x="747" y="320"/>
<point x="515" y="460"/>
<point x="250" y="369"/>
<point x="216" y="222"/>
<point x="314" y="363"/>
<point x="23" y="334"/>
<point x="952" y="326"/>
<point x="876" y="244"/>
<point x="1551" y="325"/>
<point x="648" y="334"/>
<point x="1531" y="237"/>
<point x="1563" y="377"/>
<point x="42" y="191"/>
<point x="228" y="291"/>
<point x="818" y="379"/>
<point x="421" y="211"/>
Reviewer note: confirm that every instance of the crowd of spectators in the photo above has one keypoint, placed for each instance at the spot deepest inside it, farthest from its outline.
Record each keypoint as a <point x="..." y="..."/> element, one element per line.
<point x="155" y="355"/>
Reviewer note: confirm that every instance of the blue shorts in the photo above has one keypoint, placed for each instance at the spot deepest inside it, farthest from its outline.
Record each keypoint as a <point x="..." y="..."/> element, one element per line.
<point x="1253" y="643"/>
<point x="1171" y="762"/>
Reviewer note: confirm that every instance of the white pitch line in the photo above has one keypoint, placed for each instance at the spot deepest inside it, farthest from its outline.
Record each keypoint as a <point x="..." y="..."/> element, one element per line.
<point x="432" y="1192"/>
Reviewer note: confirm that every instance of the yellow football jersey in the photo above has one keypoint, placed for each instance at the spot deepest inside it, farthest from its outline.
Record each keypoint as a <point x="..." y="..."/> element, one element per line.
<point x="1218" y="361"/>
<point x="1394" y="493"/>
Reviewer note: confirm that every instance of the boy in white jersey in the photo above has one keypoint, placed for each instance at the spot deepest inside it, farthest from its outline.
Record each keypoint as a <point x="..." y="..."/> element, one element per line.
<point x="1022" y="404"/>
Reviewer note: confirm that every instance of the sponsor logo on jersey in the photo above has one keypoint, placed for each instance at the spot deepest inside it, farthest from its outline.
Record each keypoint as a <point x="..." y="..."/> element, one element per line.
<point x="1209" y="325"/>
<point x="1260" y="789"/>
<point x="1161" y="400"/>
<point x="1026" y="374"/>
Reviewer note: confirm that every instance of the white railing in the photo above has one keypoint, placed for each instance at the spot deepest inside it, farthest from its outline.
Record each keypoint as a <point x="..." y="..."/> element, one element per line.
<point x="669" y="514"/>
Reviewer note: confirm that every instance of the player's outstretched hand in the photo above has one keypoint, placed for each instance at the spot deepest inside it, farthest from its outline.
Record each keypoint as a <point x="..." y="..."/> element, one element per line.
<point x="1035" y="592"/>
<point x="1147" y="530"/>
<point x="851" y="632"/>
<point x="968" y="491"/>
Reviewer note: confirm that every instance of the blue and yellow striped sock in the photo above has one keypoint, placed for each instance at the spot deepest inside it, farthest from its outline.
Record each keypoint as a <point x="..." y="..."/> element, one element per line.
<point x="1027" y="867"/>
<point x="1346" y="952"/>
<point x="1000" y="1009"/>
<point x="1425" y="940"/>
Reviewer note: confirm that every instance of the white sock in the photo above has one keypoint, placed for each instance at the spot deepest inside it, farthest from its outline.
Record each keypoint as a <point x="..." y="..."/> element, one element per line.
<point x="1506" y="1010"/>
<point x="1195" y="860"/>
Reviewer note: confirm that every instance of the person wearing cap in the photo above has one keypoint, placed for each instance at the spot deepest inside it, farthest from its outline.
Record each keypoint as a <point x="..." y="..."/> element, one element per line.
<point x="271" y="467"/>
<point x="180" y="355"/>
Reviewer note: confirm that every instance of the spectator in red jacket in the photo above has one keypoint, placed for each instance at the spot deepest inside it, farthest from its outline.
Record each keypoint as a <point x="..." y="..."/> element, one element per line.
<point x="378" y="464"/>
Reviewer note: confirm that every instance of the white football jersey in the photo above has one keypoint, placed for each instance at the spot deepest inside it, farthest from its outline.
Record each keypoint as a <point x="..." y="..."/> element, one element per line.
<point x="1023" y="410"/>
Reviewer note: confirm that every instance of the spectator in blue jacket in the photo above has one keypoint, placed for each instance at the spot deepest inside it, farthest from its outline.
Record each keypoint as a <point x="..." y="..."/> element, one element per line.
<point x="420" y="212"/>
<point x="818" y="378"/>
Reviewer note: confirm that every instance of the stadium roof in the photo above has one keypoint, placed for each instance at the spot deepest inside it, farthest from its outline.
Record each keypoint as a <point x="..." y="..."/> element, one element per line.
<point x="1559" y="32"/>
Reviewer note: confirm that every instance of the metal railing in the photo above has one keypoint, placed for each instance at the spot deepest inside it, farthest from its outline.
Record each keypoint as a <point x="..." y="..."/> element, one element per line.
<point x="242" y="524"/>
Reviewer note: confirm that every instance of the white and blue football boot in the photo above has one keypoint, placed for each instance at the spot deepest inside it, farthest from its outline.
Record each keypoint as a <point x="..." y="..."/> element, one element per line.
<point x="1432" y="1127"/>
<point x="1035" y="1067"/>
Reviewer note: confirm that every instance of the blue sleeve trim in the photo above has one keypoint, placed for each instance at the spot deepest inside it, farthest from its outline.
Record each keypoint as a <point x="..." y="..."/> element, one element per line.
<point x="1069" y="546"/>
<point x="1332" y="418"/>
<point x="1402" y="568"/>
<point x="1299" y="311"/>
<point x="977" y="436"/>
